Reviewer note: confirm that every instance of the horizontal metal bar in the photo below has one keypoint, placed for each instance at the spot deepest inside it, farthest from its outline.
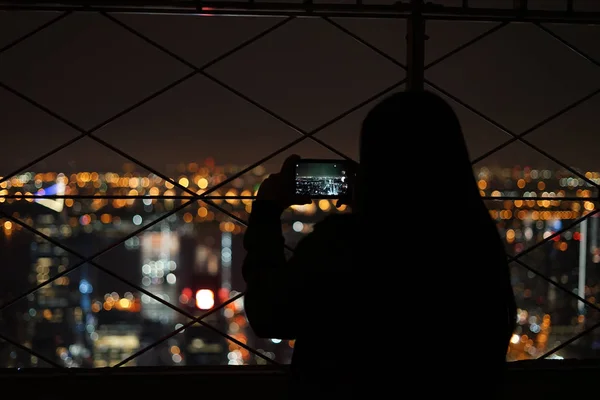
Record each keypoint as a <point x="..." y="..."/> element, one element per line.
<point x="211" y="197"/>
<point x="96" y="376"/>
<point x="305" y="9"/>
<point x="121" y="196"/>
<point x="151" y="372"/>
<point x="592" y="19"/>
<point x="514" y="198"/>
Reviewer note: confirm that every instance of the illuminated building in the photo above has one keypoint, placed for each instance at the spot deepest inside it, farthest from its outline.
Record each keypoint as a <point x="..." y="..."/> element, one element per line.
<point x="59" y="311"/>
<point x="119" y="328"/>
<point x="114" y="343"/>
<point x="202" y="291"/>
<point x="159" y="264"/>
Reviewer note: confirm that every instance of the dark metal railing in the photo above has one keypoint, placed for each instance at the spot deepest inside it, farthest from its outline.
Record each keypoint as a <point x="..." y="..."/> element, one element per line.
<point x="416" y="13"/>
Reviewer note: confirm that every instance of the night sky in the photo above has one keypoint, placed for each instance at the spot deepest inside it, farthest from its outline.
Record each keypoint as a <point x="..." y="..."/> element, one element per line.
<point x="86" y="68"/>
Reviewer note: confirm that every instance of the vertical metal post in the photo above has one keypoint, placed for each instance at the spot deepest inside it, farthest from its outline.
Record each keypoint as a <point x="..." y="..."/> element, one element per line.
<point x="583" y="249"/>
<point x="520" y="5"/>
<point x="415" y="47"/>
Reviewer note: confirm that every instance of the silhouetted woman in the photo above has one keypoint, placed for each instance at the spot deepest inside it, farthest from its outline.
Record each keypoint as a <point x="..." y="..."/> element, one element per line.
<point x="411" y="291"/>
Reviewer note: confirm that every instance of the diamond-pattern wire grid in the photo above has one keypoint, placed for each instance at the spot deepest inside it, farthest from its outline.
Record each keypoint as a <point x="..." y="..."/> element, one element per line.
<point x="304" y="135"/>
<point x="192" y="195"/>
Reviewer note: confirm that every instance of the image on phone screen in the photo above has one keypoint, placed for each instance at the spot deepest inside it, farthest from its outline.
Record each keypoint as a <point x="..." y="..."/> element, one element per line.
<point x="322" y="178"/>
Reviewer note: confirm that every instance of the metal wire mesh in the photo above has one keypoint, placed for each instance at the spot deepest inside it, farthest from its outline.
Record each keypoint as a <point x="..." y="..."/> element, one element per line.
<point x="210" y="196"/>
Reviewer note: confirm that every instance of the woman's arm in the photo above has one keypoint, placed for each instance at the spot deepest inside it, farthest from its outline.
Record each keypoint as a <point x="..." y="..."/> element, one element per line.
<point x="274" y="286"/>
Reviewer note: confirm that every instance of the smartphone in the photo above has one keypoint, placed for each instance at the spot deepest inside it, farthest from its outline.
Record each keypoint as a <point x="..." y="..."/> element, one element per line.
<point x="323" y="179"/>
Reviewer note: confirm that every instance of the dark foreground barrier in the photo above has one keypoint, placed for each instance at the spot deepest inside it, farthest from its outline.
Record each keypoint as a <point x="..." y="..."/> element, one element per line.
<point x="552" y="379"/>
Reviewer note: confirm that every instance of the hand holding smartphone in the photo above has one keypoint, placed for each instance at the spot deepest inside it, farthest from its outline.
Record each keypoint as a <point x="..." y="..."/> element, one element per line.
<point x="323" y="179"/>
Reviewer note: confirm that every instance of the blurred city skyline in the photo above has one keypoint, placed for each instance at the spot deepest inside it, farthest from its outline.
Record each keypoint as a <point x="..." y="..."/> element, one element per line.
<point x="90" y="318"/>
<point x="86" y="69"/>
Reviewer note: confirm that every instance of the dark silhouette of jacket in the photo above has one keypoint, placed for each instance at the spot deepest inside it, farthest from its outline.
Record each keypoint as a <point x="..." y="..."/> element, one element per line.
<point x="406" y="290"/>
<point x="303" y="298"/>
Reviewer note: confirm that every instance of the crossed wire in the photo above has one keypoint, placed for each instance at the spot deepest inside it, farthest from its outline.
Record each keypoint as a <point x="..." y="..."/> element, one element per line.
<point x="515" y="137"/>
<point x="89" y="133"/>
<point x="520" y="138"/>
<point x="136" y="232"/>
<point x="227" y="197"/>
<point x="193" y="196"/>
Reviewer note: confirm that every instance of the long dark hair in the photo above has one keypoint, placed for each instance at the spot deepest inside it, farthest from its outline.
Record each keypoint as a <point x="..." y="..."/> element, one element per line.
<point x="412" y="144"/>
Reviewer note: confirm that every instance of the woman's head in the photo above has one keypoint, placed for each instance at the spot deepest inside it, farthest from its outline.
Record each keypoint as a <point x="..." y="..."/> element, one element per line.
<point x="412" y="141"/>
